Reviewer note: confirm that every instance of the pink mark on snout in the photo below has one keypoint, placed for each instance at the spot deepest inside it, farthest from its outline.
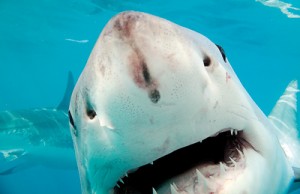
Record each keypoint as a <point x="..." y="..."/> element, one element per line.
<point x="228" y="77"/>
<point x="125" y="22"/>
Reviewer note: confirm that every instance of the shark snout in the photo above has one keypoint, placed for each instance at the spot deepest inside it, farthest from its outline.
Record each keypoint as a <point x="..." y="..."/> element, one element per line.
<point x="125" y="22"/>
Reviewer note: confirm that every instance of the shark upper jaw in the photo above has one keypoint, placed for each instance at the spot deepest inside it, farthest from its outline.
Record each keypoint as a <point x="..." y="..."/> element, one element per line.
<point x="150" y="88"/>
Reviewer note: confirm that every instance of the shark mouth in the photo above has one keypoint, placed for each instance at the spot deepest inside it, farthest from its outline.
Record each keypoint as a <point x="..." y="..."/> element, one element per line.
<point x="204" y="166"/>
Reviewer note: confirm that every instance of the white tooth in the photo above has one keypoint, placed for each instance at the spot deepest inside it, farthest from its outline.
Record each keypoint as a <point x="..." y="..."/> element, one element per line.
<point x="151" y="163"/>
<point x="202" y="181"/>
<point x="121" y="181"/>
<point x="234" y="162"/>
<point x="173" y="190"/>
<point x="222" y="169"/>
<point x="235" y="132"/>
<point x="126" y="174"/>
<point x="153" y="191"/>
<point x="231" y="131"/>
<point x="175" y="186"/>
<point x="240" y="153"/>
<point x="118" y="186"/>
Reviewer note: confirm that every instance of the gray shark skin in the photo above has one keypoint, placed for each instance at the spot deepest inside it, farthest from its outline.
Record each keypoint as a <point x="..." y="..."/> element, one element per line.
<point x="158" y="109"/>
<point x="37" y="137"/>
<point x="283" y="117"/>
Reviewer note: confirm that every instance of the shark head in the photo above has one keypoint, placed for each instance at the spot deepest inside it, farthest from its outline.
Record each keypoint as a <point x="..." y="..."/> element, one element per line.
<point x="158" y="108"/>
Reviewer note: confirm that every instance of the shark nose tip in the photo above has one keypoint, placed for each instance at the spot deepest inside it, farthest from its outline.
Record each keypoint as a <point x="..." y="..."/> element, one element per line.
<point x="125" y="22"/>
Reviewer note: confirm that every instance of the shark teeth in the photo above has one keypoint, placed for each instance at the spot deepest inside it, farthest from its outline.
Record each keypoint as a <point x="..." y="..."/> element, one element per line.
<point x="121" y="180"/>
<point x="202" y="180"/>
<point x="174" y="189"/>
<point x="208" y="183"/>
<point x="240" y="153"/>
<point x="209" y="176"/>
<point x="233" y="162"/>
<point x="153" y="191"/>
<point x="233" y="131"/>
<point x="204" y="184"/>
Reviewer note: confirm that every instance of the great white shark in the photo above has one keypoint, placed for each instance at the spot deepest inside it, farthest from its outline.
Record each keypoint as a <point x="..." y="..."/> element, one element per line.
<point x="39" y="136"/>
<point x="159" y="109"/>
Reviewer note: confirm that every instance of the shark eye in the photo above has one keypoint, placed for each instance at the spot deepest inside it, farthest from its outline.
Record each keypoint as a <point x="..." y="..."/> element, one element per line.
<point x="222" y="52"/>
<point x="206" y="61"/>
<point x="91" y="113"/>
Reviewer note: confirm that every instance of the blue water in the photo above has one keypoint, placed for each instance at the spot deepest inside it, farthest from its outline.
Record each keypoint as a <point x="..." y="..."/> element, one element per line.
<point x="41" y="40"/>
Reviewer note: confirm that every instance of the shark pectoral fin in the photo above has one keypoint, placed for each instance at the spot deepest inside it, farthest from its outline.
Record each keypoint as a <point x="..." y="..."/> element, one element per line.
<point x="14" y="166"/>
<point x="7" y="171"/>
<point x="12" y="161"/>
<point x="283" y="118"/>
<point x="10" y="155"/>
<point x="64" y="104"/>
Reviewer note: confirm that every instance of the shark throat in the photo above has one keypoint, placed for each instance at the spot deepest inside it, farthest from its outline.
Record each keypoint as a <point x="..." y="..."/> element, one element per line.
<point x="206" y="164"/>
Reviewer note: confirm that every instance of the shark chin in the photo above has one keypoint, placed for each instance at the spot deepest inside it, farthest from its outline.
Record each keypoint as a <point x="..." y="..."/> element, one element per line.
<point x="158" y="109"/>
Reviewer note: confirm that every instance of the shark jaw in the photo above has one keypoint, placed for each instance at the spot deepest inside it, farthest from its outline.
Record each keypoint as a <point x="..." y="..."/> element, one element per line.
<point x="150" y="93"/>
<point x="193" y="169"/>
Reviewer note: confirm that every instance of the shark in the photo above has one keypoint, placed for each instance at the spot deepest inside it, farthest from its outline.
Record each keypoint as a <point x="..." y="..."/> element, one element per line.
<point x="159" y="109"/>
<point x="39" y="136"/>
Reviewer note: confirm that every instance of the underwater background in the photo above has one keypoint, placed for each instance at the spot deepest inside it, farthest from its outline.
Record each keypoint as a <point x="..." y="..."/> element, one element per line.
<point x="42" y="40"/>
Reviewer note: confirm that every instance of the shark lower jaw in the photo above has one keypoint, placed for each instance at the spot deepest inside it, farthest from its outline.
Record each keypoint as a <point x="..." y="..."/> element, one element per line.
<point x="203" y="167"/>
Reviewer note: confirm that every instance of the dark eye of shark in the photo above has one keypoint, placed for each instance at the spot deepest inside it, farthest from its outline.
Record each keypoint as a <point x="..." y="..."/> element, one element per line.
<point x="222" y="52"/>
<point x="206" y="61"/>
<point x="91" y="113"/>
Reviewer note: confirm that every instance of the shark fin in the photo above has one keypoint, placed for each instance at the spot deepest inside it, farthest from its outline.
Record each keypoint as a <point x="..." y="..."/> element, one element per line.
<point x="15" y="167"/>
<point x="283" y="118"/>
<point x="12" y="161"/>
<point x="64" y="104"/>
<point x="7" y="171"/>
<point x="11" y="155"/>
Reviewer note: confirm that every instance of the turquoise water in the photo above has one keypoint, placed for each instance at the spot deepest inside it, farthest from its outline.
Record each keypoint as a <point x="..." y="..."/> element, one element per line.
<point x="40" y="41"/>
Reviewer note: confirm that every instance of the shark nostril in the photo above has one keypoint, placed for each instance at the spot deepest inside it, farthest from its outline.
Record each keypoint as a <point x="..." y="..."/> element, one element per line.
<point x="91" y="113"/>
<point x="154" y="95"/>
<point x="206" y="61"/>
